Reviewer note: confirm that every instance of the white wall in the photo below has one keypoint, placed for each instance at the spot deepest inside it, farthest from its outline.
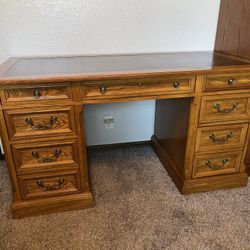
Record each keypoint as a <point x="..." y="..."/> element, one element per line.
<point x="130" y="121"/>
<point x="38" y="27"/>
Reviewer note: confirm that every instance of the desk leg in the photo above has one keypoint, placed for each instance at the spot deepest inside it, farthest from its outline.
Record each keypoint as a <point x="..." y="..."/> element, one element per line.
<point x="82" y="152"/>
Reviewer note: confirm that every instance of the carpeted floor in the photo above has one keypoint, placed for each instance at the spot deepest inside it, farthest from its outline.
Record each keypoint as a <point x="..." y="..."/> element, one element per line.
<point x="137" y="207"/>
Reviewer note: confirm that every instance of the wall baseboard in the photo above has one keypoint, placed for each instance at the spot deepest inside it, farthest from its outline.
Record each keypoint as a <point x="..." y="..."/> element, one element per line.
<point x="115" y="145"/>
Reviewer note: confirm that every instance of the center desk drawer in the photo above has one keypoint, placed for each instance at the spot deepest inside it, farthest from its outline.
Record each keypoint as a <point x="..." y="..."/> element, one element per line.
<point x="221" y="137"/>
<point x="25" y="123"/>
<point x="47" y="156"/>
<point x="42" y="185"/>
<point x="138" y="87"/>
<point x="224" y="108"/>
<point x="33" y="93"/>
<point x="227" y="82"/>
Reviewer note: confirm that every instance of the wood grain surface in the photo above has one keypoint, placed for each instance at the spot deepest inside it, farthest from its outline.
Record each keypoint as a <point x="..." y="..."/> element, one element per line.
<point x="217" y="138"/>
<point x="19" y="128"/>
<point x="136" y="87"/>
<point x="233" y="36"/>
<point x="223" y="108"/>
<point x="36" y="93"/>
<point x="44" y="137"/>
<point x="227" y="82"/>
<point x="201" y="129"/>
<point x="78" y="68"/>
<point x="41" y="156"/>
<point x="216" y="165"/>
<point x="30" y="188"/>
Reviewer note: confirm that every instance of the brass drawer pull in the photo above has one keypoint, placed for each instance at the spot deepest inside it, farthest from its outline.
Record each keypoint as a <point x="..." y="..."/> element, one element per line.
<point x="226" y="111"/>
<point x="221" y="140"/>
<point x="176" y="85"/>
<point x="231" y="81"/>
<point x="50" y="187"/>
<point x="55" y="157"/>
<point x="103" y="90"/>
<point x="37" y="94"/>
<point x="216" y="167"/>
<point x="38" y="126"/>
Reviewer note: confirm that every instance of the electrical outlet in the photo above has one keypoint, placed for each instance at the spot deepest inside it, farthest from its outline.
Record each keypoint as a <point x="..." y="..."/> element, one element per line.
<point x="109" y="122"/>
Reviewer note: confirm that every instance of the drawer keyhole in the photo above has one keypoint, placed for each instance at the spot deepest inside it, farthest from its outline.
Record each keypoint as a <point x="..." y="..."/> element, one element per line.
<point x="176" y="85"/>
<point x="37" y="94"/>
<point x="103" y="90"/>
<point x="231" y="81"/>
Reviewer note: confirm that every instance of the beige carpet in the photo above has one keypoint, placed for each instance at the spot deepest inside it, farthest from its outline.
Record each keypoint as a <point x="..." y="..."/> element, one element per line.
<point x="137" y="207"/>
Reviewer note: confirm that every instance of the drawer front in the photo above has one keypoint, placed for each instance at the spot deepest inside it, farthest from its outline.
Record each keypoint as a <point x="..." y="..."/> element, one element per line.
<point x="37" y="186"/>
<point x="224" y="108"/>
<point x="138" y="87"/>
<point x="39" y="122"/>
<point x="227" y="82"/>
<point x="217" y="164"/>
<point x="36" y="93"/>
<point x="45" y="156"/>
<point x="221" y="137"/>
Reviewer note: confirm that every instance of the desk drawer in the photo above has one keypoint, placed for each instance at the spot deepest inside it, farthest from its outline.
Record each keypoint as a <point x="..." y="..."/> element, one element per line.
<point x="224" y="108"/>
<point x="36" y="186"/>
<point x="221" y="137"/>
<point x="227" y="82"/>
<point x="138" y="87"/>
<point x="36" y="93"/>
<point x="39" y="122"/>
<point x="217" y="164"/>
<point x="45" y="156"/>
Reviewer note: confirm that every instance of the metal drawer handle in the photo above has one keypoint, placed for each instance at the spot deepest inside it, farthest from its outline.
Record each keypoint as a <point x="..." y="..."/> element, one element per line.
<point x="231" y="81"/>
<point x="221" y="140"/>
<point x="55" y="157"/>
<point x="50" y="187"/>
<point x="103" y="90"/>
<point x="37" y="94"/>
<point x="176" y="85"/>
<point x="216" y="167"/>
<point x="38" y="126"/>
<point x="226" y="111"/>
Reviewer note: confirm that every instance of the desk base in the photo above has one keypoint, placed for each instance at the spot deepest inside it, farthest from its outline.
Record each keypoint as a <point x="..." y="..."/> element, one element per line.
<point x="248" y="168"/>
<point x="57" y="204"/>
<point x="204" y="184"/>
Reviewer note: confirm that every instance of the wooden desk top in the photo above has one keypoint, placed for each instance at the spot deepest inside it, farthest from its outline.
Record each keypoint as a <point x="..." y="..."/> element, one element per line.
<point x="87" y="67"/>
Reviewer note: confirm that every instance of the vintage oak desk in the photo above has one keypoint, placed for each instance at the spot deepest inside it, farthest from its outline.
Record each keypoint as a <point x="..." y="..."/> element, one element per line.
<point x="201" y="123"/>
